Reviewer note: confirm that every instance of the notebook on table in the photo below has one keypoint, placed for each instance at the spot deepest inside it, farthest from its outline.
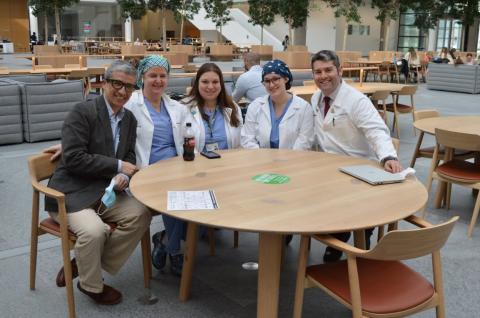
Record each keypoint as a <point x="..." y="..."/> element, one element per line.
<point x="374" y="175"/>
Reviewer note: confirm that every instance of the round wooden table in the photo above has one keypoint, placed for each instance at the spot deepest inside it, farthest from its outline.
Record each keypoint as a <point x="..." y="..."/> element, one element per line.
<point x="461" y="124"/>
<point x="317" y="199"/>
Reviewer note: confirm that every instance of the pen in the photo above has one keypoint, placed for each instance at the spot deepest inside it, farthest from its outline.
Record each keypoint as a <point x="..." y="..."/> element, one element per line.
<point x="333" y="121"/>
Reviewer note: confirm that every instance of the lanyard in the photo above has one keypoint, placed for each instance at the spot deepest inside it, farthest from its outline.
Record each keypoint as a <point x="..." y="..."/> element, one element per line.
<point x="211" y="121"/>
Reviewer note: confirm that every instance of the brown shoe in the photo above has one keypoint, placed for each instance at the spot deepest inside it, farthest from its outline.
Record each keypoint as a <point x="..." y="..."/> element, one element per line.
<point x="109" y="295"/>
<point x="61" y="274"/>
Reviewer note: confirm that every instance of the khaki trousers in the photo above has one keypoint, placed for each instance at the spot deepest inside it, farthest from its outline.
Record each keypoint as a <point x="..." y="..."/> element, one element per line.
<point x="97" y="247"/>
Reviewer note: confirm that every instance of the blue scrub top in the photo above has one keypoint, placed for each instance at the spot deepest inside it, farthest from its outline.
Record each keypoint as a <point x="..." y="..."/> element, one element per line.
<point x="215" y="129"/>
<point x="163" y="144"/>
<point x="275" y="132"/>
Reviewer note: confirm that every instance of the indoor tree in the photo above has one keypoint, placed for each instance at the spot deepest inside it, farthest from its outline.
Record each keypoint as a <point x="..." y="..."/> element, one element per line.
<point x="262" y="12"/>
<point x="295" y="14"/>
<point x="219" y="12"/>
<point x="186" y="9"/>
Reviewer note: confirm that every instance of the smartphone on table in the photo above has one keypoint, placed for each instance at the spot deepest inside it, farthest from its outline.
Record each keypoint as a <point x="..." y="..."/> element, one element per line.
<point x="210" y="154"/>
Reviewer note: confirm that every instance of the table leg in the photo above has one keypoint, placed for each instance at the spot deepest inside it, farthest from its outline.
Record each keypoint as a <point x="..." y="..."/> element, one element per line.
<point x="270" y="250"/>
<point x="359" y="239"/>
<point x="188" y="261"/>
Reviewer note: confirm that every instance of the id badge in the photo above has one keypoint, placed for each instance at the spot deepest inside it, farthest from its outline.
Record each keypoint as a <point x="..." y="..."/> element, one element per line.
<point x="212" y="147"/>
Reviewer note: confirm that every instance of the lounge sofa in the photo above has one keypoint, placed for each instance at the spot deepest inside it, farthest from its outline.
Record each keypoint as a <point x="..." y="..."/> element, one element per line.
<point x="454" y="78"/>
<point x="10" y="114"/>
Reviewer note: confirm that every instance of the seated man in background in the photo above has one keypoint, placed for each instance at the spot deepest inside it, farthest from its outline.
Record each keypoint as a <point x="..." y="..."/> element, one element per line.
<point x="98" y="142"/>
<point x="347" y="123"/>
<point x="249" y="84"/>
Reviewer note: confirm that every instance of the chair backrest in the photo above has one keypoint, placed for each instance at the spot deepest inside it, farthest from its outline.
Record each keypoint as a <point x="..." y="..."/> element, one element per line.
<point x="457" y="140"/>
<point x="380" y="95"/>
<point x="407" y="244"/>
<point x="396" y="144"/>
<point x="426" y="113"/>
<point x="408" y="90"/>
<point x="40" y="167"/>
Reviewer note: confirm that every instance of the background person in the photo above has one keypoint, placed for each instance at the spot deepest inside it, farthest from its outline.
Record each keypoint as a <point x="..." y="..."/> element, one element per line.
<point x="347" y="123"/>
<point x="469" y="60"/>
<point x="249" y="84"/>
<point x="286" y="42"/>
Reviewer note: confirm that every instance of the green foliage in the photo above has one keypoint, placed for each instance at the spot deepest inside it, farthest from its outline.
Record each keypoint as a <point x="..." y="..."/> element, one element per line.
<point x="218" y="11"/>
<point x="187" y="9"/>
<point x="48" y="6"/>
<point x="295" y="13"/>
<point x="262" y="12"/>
<point x="346" y="8"/>
<point x="134" y="9"/>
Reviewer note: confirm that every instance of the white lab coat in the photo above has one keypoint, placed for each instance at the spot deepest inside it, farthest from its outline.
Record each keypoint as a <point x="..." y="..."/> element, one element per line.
<point x="233" y="133"/>
<point x="295" y="129"/>
<point x="352" y="127"/>
<point x="143" y="145"/>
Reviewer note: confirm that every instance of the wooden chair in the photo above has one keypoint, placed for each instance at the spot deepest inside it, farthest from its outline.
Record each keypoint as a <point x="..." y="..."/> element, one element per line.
<point x="384" y="70"/>
<point x="375" y="283"/>
<point x="41" y="168"/>
<point x="397" y="108"/>
<point x="382" y="109"/>
<point x="427" y="152"/>
<point x="455" y="171"/>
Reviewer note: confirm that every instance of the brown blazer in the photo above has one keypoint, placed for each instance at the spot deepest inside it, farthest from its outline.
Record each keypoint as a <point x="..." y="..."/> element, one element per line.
<point x="88" y="161"/>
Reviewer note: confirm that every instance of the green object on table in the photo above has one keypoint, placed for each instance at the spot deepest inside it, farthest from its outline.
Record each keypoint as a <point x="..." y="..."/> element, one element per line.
<point x="271" y="178"/>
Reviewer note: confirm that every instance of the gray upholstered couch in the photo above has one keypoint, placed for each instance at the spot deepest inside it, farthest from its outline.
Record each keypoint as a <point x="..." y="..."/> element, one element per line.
<point x="45" y="106"/>
<point x="454" y="78"/>
<point x="41" y="106"/>
<point x="10" y="114"/>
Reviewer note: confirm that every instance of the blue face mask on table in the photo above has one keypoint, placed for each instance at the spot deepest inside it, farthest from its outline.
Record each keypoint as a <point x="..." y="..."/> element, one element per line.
<point x="109" y="197"/>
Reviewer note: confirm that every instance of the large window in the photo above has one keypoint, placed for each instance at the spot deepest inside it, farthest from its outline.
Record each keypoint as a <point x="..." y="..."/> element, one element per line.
<point x="449" y="34"/>
<point x="86" y="19"/>
<point x="408" y="34"/>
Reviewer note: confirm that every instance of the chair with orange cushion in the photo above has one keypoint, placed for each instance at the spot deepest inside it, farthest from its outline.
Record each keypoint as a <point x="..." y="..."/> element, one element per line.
<point x="427" y="152"/>
<point x="376" y="283"/>
<point x="455" y="171"/>
<point x="41" y="168"/>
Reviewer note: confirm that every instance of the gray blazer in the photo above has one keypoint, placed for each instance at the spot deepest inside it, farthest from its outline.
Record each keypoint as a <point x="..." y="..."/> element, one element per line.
<point x="88" y="161"/>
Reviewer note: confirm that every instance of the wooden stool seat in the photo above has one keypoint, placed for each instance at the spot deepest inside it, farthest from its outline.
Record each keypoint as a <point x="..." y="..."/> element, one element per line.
<point x="401" y="108"/>
<point x="379" y="280"/>
<point x="51" y="226"/>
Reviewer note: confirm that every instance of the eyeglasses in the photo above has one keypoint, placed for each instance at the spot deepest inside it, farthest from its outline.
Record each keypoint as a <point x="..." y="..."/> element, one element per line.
<point x="118" y="85"/>
<point x="274" y="81"/>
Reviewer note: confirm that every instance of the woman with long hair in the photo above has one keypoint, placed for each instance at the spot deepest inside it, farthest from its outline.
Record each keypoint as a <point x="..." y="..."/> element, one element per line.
<point x="216" y="119"/>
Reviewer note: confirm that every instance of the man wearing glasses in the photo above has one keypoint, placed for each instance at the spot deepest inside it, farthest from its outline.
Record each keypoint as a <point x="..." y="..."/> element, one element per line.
<point x="98" y="142"/>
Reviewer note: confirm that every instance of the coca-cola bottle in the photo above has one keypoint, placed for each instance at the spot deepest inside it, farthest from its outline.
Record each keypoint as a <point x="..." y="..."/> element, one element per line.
<point x="188" y="143"/>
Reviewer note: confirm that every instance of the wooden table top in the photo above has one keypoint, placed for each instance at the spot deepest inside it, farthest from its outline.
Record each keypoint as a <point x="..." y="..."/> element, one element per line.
<point x="317" y="199"/>
<point x="366" y="88"/>
<point x="462" y="124"/>
<point x="365" y="62"/>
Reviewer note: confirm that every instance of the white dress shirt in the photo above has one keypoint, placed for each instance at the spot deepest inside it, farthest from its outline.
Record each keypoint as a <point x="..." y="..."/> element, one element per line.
<point x="249" y="85"/>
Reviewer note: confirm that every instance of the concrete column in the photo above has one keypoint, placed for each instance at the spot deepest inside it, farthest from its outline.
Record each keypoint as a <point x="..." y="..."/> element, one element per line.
<point x="128" y="30"/>
<point x="33" y="22"/>
<point x="300" y="35"/>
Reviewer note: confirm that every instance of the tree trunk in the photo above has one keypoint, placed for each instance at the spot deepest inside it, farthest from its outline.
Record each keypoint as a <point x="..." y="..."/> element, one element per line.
<point x="221" y="33"/>
<point x="181" y="29"/>
<point x="261" y="36"/>
<point x="387" y="36"/>
<point x="164" y="31"/>
<point x="345" y="34"/>
<point x="57" y="25"/>
<point x="290" y="33"/>
<point x="46" y="28"/>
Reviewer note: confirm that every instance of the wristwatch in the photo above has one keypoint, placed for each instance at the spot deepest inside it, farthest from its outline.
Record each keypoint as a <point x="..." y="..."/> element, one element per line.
<point x="387" y="159"/>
